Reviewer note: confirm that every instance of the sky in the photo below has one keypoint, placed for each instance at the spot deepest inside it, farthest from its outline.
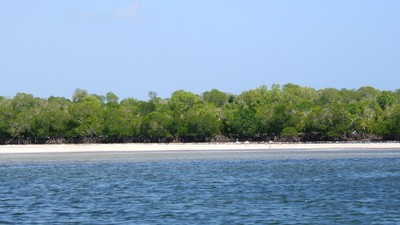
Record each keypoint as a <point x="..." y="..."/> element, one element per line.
<point x="131" y="47"/>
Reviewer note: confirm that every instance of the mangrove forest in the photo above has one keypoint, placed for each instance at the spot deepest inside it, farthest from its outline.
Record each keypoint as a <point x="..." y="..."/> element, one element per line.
<point x="290" y="113"/>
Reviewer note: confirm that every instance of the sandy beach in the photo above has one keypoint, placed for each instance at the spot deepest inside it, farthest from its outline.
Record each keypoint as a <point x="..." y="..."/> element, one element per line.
<point x="76" y="148"/>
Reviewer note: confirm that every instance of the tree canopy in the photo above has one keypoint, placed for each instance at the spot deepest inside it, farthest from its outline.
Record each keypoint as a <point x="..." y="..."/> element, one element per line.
<point x="279" y="113"/>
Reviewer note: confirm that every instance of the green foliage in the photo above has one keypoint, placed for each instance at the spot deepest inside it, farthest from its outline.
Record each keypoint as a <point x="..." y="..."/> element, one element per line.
<point x="201" y="121"/>
<point x="6" y="117"/>
<point x="87" y="117"/>
<point x="253" y="98"/>
<point x="274" y="118"/>
<point x="216" y="97"/>
<point x="79" y="95"/>
<point x="181" y="101"/>
<point x="120" y="122"/>
<point x="328" y="95"/>
<point x="289" y="133"/>
<point x="389" y="126"/>
<point x="367" y="93"/>
<point x="112" y="99"/>
<point x="157" y="126"/>
<point x="244" y="124"/>
<point x="385" y="99"/>
<point x="287" y="113"/>
<point x="53" y="118"/>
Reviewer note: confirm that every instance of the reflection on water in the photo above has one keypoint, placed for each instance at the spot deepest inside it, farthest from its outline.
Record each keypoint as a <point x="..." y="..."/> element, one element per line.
<point x="289" y="187"/>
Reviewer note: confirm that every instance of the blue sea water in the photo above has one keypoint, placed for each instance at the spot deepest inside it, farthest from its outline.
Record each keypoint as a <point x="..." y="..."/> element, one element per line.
<point x="86" y="189"/>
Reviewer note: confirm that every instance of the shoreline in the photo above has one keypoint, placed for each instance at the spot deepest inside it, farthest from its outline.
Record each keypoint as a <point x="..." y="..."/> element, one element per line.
<point x="189" y="147"/>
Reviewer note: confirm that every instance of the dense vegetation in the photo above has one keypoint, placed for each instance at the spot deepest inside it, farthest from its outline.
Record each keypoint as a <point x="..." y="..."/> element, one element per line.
<point x="279" y="113"/>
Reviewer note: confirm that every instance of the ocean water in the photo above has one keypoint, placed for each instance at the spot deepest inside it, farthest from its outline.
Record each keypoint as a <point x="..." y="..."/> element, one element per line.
<point x="201" y="188"/>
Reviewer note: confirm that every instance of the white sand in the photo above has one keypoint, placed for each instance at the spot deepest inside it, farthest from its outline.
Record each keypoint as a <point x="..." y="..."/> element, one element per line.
<point x="65" y="148"/>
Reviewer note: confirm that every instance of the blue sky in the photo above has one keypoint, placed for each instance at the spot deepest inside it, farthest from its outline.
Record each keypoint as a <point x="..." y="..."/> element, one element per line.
<point x="132" y="47"/>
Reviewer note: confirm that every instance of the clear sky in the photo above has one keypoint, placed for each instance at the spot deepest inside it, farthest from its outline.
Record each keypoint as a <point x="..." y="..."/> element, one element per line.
<point x="131" y="47"/>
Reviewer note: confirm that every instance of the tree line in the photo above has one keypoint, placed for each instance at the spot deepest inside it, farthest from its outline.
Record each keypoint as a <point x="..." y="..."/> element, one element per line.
<point x="277" y="113"/>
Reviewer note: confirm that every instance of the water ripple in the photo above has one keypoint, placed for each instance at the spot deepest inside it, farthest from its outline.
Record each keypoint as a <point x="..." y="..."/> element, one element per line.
<point x="306" y="191"/>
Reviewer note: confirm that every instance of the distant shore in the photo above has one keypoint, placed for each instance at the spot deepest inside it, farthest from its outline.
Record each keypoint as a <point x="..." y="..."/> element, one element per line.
<point x="76" y="148"/>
